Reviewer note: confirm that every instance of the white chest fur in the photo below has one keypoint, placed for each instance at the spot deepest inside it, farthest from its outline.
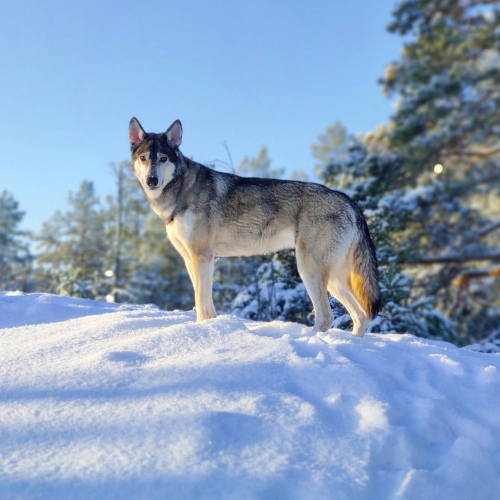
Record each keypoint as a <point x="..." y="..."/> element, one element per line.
<point x="182" y="227"/>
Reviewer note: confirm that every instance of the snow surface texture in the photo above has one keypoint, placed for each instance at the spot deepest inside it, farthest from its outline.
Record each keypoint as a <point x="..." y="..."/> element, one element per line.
<point x="107" y="401"/>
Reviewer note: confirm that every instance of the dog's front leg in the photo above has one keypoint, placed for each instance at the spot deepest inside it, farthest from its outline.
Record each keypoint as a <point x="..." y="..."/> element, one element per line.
<point x="179" y="246"/>
<point x="203" y="270"/>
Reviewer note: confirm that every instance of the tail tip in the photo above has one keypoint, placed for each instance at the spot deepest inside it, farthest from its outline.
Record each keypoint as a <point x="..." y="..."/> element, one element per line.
<point x="375" y="307"/>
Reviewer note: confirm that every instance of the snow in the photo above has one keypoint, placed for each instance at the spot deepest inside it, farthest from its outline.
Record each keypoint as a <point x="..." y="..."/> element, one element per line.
<point x="116" y="401"/>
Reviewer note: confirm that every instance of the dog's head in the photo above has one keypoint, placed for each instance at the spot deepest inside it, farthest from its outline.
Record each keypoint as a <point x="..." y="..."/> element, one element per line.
<point x="154" y="156"/>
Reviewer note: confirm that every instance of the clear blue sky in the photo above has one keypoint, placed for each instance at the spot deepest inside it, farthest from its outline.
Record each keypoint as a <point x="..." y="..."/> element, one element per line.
<point x="250" y="73"/>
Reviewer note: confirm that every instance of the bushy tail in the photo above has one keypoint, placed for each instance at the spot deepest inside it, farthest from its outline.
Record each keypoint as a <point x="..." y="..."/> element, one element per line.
<point x="364" y="273"/>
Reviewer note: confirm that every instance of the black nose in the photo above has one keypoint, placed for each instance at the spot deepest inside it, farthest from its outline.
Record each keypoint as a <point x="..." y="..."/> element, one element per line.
<point x="152" y="181"/>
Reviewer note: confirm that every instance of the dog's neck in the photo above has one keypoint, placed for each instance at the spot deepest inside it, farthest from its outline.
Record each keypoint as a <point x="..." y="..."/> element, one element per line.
<point x="170" y="203"/>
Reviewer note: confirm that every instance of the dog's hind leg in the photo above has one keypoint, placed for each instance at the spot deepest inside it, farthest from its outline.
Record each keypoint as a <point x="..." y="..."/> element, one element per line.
<point x="315" y="277"/>
<point x="339" y="287"/>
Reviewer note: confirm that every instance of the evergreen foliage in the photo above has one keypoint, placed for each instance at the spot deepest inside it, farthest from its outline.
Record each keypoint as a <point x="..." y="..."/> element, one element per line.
<point x="276" y="293"/>
<point x="333" y="143"/>
<point x="260" y="166"/>
<point x="15" y="255"/>
<point x="429" y="180"/>
<point x="76" y="239"/>
<point x="448" y="87"/>
<point x="73" y="247"/>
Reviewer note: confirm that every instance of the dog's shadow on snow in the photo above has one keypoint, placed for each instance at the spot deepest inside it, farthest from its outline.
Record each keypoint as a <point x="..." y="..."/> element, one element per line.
<point x="128" y="358"/>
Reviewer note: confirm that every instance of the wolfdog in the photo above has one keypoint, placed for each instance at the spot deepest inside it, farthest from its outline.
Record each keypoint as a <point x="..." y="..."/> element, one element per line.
<point x="211" y="214"/>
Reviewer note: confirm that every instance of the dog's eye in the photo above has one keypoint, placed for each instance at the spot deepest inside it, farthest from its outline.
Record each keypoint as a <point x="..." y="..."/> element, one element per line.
<point x="143" y="158"/>
<point x="163" y="159"/>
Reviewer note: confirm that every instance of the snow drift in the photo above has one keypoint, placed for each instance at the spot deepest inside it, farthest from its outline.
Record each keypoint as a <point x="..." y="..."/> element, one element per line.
<point x="131" y="402"/>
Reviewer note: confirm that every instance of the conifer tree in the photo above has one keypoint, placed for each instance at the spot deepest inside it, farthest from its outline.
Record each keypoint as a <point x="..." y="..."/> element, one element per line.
<point x="260" y="166"/>
<point x="15" y="255"/>
<point x="429" y="180"/>
<point x="446" y="127"/>
<point x="333" y="143"/>
<point x="74" y="248"/>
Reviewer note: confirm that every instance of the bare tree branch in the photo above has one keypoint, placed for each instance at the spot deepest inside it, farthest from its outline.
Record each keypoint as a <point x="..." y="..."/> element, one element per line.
<point x="488" y="229"/>
<point x="481" y="154"/>
<point x="465" y="278"/>
<point x="457" y="259"/>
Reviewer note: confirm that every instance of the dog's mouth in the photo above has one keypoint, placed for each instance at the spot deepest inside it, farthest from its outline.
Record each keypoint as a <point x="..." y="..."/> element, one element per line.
<point x="152" y="187"/>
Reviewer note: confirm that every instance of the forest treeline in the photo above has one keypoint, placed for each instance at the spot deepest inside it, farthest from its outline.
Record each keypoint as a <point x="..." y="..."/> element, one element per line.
<point x="428" y="182"/>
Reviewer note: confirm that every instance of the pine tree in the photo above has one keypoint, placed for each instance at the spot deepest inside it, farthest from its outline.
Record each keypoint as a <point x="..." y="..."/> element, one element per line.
<point x="429" y="180"/>
<point x="15" y="255"/>
<point x="74" y="247"/>
<point x="448" y="85"/>
<point x="259" y="166"/>
<point x="446" y="127"/>
<point x="333" y="143"/>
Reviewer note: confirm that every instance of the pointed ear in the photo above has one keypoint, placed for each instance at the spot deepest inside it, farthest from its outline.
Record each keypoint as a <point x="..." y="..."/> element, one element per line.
<point x="135" y="132"/>
<point x="174" y="134"/>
